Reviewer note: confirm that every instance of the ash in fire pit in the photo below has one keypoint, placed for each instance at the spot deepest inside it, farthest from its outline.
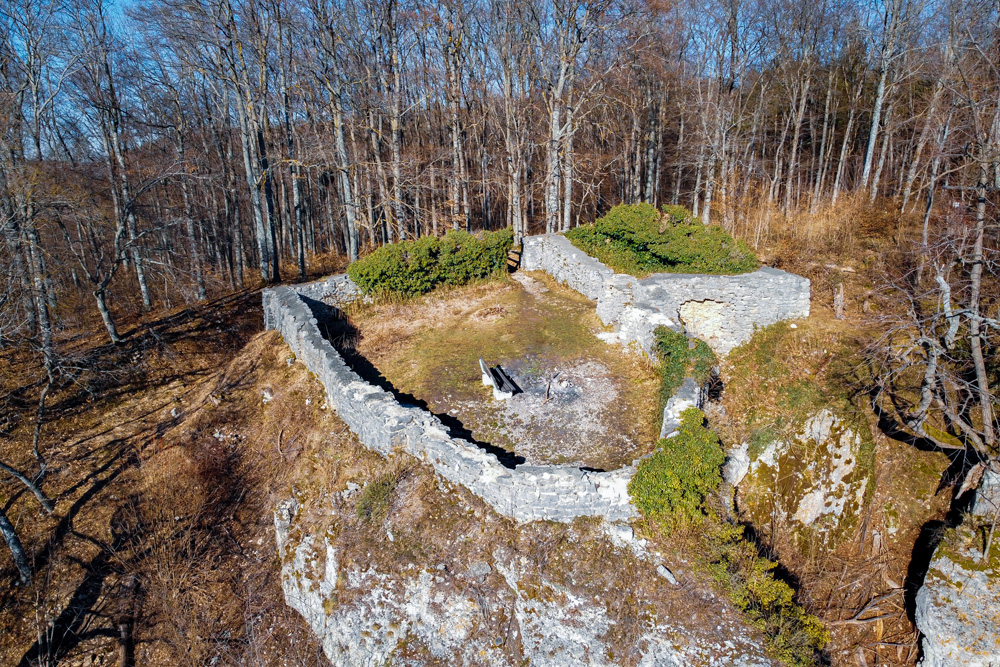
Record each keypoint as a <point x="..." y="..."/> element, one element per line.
<point x="566" y="412"/>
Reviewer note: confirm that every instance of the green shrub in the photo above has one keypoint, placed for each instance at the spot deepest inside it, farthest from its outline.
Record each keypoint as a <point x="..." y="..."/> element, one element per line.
<point x="670" y="486"/>
<point x="677" y="214"/>
<point x="794" y="636"/>
<point x="638" y="240"/>
<point x="678" y="360"/>
<point x="411" y="268"/>
<point x="670" y="489"/>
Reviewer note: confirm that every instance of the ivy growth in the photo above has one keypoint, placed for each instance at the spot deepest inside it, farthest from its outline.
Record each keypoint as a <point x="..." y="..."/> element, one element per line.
<point x="680" y="357"/>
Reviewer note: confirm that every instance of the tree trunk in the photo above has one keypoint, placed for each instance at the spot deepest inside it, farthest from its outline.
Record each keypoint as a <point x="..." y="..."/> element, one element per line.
<point x="823" y="152"/>
<point x="796" y="134"/>
<point x="109" y="323"/>
<point x="886" y="137"/>
<point x="346" y="191"/>
<point x="553" y="174"/>
<point x="21" y="559"/>
<point x="925" y="133"/>
<point x="975" y="325"/>
<point x="567" y="171"/>
<point x="843" y="156"/>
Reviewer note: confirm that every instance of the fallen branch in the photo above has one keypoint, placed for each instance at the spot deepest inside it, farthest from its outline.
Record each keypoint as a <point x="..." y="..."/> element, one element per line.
<point x="874" y="602"/>
<point x="548" y="386"/>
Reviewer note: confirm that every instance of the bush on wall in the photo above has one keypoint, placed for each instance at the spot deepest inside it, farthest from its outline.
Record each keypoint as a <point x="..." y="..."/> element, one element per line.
<point x="680" y="357"/>
<point x="637" y="239"/>
<point x="411" y="268"/>
<point x="670" y="486"/>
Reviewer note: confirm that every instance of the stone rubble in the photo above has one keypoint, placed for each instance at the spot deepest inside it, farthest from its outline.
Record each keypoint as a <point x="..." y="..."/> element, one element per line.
<point x="688" y="395"/>
<point x="737" y="464"/>
<point x="987" y="502"/>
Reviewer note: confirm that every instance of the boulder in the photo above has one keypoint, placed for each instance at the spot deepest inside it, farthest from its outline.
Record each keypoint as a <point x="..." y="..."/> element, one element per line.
<point x="958" y="605"/>
<point x="813" y="483"/>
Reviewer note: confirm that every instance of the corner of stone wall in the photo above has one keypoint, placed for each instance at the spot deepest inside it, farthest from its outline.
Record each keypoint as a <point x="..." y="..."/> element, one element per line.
<point x="525" y="493"/>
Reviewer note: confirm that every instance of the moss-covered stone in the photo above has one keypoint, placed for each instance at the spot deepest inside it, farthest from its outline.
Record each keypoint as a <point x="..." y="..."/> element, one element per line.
<point x="815" y="483"/>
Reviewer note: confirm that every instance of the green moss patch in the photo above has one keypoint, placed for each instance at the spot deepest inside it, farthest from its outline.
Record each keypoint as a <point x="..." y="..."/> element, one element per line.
<point x="965" y="543"/>
<point x="778" y="384"/>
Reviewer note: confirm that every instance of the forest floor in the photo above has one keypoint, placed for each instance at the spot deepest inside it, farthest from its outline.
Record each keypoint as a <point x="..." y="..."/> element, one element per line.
<point x="583" y="401"/>
<point x="164" y="459"/>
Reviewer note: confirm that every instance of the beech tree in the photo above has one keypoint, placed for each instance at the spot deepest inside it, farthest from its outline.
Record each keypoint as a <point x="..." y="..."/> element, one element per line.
<point x="223" y="134"/>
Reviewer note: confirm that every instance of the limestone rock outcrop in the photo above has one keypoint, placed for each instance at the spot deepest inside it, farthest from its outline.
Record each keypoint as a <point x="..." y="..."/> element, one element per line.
<point x="958" y="605"/>
<point x="510" y="612"/>
<point x="813" y="482"/>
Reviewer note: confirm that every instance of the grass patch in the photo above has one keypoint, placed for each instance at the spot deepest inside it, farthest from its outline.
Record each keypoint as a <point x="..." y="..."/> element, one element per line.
<point x="376" y="498"/>
<point x="429" y="348"/>
<point x="411" y="268"/>
<point x="638" y="240"/>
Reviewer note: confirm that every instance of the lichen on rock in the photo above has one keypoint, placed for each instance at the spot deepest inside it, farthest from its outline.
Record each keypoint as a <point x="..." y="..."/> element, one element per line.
<point x="815" y="482"/>
<point x="504" y="607"/>
<point x="958" y="606"/>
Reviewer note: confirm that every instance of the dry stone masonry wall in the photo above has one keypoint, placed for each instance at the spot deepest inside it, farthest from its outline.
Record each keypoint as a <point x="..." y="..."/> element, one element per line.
<point x="525" y="493"/>
<point x="736" y="305"/>
<point x="721" y="310"/>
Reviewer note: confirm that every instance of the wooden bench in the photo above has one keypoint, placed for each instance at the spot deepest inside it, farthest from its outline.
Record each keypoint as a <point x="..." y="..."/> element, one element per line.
<point x="503" y="384"/>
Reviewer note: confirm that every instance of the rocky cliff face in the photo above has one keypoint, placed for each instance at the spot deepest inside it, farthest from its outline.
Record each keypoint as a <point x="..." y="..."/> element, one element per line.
<point x="487" y="593"/>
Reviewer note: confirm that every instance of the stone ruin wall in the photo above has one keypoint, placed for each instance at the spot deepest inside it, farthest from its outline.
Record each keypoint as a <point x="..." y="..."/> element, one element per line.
<point x="723" y="311"/>
<point x="635" y="307"/>
<point x="525" y="493"/>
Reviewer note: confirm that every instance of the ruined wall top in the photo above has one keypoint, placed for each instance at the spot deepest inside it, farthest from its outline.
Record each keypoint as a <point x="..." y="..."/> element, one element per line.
<point x="723" y="311"/>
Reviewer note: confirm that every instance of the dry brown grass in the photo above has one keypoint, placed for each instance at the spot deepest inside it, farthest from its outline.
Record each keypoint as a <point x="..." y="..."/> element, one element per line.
<point x="854" y="243"/>
<point x="821" y="363"/>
